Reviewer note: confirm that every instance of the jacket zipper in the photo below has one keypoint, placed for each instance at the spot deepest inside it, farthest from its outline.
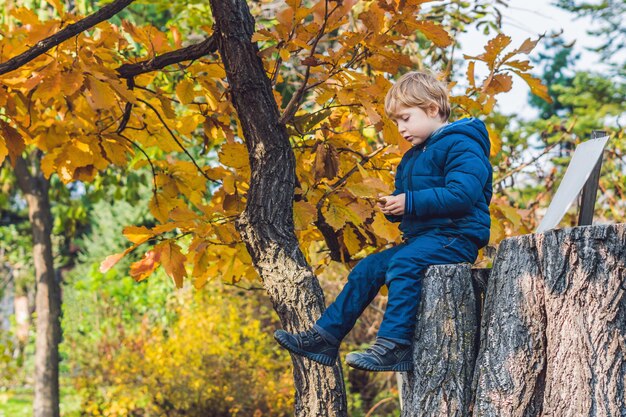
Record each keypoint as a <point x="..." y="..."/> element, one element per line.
<point x="411" y="170"/>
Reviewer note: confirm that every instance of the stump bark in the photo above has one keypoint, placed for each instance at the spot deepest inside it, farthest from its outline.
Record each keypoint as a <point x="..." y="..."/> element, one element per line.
<point x="552" y="336"/>
<point x="553" y="333"/>
<point x="446" y="342"/>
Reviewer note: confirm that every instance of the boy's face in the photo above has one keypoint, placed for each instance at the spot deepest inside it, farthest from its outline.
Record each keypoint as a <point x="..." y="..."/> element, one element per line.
<point x="415" y="124"/>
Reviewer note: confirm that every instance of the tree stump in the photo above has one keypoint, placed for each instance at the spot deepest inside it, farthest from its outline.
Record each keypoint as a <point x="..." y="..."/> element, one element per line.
<point x="446" y="342"/>
<point x="553" y="330"/>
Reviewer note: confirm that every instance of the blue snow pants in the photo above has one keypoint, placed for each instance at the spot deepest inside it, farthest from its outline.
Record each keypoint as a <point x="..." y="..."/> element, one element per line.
<point x="401" y="268"/>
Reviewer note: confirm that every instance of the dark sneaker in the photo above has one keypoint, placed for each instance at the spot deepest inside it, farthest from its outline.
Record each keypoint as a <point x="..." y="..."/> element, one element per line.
<point x="383" y="355"/>
<point x="309" y="344"/>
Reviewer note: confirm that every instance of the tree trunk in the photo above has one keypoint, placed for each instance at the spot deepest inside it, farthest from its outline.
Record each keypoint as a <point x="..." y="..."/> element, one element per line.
<point x="7" y="294"/>
<point x="553" y="333"/>
<point x="266" y="225"/>
<point x="446" y="343"/>
<point x="48" y="303"/>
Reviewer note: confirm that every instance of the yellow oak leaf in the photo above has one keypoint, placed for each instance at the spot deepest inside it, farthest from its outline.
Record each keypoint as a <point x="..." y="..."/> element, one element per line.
<point x="385" y="229"/>
<point x="470" y="74"/>
<point x="351" y="240"/>
<point x="99" y="94"/>
<point x="204" y="267"/>
<point x="71" y="82"/>
<point x="137" y="234"/>
<point x="337" y="213"/>
<point x="496" y="142"/>
<point x="234" y="155"/>
<point x="304" y="213"/>
<point x="184" y="91"/>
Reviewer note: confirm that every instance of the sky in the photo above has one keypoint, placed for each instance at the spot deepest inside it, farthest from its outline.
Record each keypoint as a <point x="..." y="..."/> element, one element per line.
<point x="529" y="18"/>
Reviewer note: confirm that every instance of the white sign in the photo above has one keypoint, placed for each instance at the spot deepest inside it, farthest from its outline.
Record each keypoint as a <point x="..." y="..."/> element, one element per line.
<point x="584" y="160"/>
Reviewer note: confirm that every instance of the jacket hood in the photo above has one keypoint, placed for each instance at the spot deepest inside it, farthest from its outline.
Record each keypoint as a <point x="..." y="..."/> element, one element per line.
<point x="469" y="126"/>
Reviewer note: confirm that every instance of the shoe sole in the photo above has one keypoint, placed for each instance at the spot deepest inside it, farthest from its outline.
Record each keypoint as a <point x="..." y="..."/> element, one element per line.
<point x="315" y="357"/>
<point x="366" y="366"/>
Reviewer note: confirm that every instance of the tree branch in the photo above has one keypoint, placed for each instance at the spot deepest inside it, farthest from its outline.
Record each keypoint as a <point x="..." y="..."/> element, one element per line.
<point x="188" y="53"/>
<point x="74" y="29"/>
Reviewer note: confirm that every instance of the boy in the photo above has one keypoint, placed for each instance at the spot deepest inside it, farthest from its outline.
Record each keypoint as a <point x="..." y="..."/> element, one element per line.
<point x="443" y="187"/>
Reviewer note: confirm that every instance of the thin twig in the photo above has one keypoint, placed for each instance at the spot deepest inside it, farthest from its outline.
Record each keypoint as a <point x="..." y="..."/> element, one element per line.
<point x="178" y="142"/>
<point x="154" y="184"/>
<point x="524" y="165"/>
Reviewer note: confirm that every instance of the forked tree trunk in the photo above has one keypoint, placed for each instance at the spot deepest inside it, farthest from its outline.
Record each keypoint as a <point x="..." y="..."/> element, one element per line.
<point x="553" y="337"/>
<point x="266" y="225"/>
<point x="48" y="297"/>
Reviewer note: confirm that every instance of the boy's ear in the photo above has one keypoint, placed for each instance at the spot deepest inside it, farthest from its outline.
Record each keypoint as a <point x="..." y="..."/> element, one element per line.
<point x="433" y="110"/>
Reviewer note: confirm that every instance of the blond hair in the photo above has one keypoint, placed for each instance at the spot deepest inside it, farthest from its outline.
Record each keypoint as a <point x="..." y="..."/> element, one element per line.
<point x="418" y="89"/>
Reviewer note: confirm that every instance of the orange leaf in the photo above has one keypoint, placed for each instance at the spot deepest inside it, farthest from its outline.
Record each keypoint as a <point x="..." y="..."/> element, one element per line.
<point x="434" y="32"/>
<point x="13" y="142"/>
<point x="536" y="87"/>
<point x="142" y="269"/>
<point x="111" y="260"/>
<point x="492" y="50"/>
<point x="499" y="83"/>
<point x="173" y="262"/>
<point x="470" y="74"/>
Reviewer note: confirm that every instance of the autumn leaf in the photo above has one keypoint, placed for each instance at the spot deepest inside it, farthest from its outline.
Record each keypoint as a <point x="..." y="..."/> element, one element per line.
<point x="385" y="229"/>
<point x="142" y="269"/>
<point x="434" y="32"/>
<point x="137" y="234"/>
<point x="304" y="213"/>
<point x="326" y="161"/>
<point x="536" y="87"/>
<point x="234" y="155"/>
<point x="352" y="240"/>
<point x="173" y="261"/>
<point x="493" y="48"/>
<point x="184" y="91"/>
<point x="11" y="142"/>
<point x="499" y="83"/>
<point x="110" y="261"/>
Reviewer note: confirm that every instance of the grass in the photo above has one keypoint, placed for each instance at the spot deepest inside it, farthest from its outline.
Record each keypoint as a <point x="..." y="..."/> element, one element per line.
<point x="19" y="403"/>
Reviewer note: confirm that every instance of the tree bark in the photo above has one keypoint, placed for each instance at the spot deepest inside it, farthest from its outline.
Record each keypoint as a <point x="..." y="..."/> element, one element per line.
<point x="48" y="299"/>
<point x="553" y="336"/>
<point x="446" y="343"/>
<point x="266" y="225"/>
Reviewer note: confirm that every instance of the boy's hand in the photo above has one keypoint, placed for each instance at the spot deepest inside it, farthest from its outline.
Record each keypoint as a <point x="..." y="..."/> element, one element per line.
<point x="394" y="204"/>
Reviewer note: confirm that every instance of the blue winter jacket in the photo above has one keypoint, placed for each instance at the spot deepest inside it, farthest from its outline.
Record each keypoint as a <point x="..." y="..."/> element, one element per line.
<point x="447" y="180"/>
